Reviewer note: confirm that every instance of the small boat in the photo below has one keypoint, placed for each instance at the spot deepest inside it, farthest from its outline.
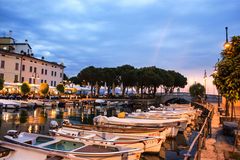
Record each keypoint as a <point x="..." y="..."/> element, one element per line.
<point x="10" y="104"/>
<point x="120" y="129"/>
<point x="71" y="149"/>
<point x="148" y="144"/>
<point x="172" y="125"/>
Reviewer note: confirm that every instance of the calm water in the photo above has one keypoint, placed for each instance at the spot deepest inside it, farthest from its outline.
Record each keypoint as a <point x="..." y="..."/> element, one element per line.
<point x="37" y="121"/>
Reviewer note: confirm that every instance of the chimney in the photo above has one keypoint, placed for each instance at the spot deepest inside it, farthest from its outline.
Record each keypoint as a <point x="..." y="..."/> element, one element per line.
<point x="42" y="57"/>
<point x="26" y="41"/>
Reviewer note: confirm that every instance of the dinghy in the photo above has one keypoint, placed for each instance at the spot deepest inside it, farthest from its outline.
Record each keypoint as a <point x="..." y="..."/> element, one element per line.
<point x="148" y="144"/>
<point x="70" y="148"/>
<point x="172" y="125"/>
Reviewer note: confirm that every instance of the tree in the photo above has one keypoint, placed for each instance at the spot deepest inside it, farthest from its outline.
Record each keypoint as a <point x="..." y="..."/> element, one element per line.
<point x="197" y="91"/>
<point x="65" y="77"/>
<point x="227" y="77"/>
<point x="60" y="88"/>
<point x="25" y="88"/>
<point x="44" y="88"/>
<point x="1" y="84"/>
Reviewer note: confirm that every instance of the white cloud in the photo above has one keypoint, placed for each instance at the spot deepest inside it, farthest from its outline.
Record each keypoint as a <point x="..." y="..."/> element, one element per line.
<point x="135" y="3"/>
<point x="69" y="6"/>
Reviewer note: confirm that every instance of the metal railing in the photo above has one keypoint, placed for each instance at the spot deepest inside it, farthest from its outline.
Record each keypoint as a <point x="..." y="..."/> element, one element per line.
<point x="201" y="136"/>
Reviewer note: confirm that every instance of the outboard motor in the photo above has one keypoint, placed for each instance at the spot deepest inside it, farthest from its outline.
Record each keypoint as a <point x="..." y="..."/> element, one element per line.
<point x="66" y="122"/>
<point x="13" y="133"/>
<point x="53" y="124"/>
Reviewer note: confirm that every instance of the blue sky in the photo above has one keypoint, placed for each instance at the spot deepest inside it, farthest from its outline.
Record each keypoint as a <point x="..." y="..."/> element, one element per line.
<point x="182" y="35"/>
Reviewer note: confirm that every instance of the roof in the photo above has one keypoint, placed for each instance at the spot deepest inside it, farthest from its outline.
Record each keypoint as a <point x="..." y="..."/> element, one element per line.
<point x="12" y="44"/>
<point x="27" y="56"/>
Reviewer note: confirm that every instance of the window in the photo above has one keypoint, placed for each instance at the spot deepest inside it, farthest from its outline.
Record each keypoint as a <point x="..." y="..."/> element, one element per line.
<point x="41" y="80"/>
<point x="54" y="83"/>
<point x="34" y="80"/>
<point x="45" y="81"/>
<point x="1" y="76"/>
<point x="2" y="64"/>
<point x="60" y="75"/>
<point x="23" y="67"/>
<point x="16" y="78"/>
<point x="55" y="74"/>
<point x="30" y="70"/>
<point x="45" y="72"/>
<point x="42" y="71"/>
<point x="51" y="83"/>
<point x="35" y="70"/>
<point x="22" y="79"/>
<point x="52" y="73"/>
<point x="16" y="66"/>
<point x="30" y="80"/>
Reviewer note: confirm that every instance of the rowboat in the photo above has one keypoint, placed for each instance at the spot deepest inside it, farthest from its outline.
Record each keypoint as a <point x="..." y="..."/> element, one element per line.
<point x="172" y="125"/>
<point x="70" y="148"/>
<point x="119" y="129"/>
<point x="148" y="144"/>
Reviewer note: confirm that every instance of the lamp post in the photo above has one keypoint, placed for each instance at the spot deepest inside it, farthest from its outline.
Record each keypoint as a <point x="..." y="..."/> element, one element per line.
<point x="205" y="83"/>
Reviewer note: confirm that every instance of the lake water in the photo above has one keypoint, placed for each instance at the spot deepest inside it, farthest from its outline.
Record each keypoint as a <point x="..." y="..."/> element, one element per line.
<point x="38" y="120"/>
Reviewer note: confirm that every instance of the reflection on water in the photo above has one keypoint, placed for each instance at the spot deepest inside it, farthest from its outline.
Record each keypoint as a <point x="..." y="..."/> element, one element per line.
<point x="38" y="120"/>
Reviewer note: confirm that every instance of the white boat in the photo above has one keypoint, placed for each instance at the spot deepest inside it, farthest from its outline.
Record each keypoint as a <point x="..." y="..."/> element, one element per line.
<point x="70" y="148"/>
<point x="151" y="144"/>
<point x="172" y="125"/>
<point x="10" y="104"/>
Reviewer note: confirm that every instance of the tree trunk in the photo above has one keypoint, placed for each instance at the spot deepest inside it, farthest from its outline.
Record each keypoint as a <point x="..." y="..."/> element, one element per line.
<point x="154" y="91"/>
<point x="113" y="89"/>
<point x="96" y="89"/>
<point x="141" y="91"/>
<point x="123" y="91"/>
<point x="227" y="108"/>
<point x="91" y="90"/>
<point x="232" y="103"/>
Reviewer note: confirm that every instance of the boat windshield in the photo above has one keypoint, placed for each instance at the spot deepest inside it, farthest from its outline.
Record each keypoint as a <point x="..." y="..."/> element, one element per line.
<point x="64" y="145"/>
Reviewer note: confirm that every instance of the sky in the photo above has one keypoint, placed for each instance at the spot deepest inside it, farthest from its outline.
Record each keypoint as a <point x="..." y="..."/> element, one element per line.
<point x="182" y="35"/>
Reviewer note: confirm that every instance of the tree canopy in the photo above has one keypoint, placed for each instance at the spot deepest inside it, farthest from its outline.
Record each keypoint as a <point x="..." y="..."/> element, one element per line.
<point x="60" y="88"/>
<point x="227" y="77"/>
<point x="1" y="83"/>
<point x="44" y="88"/>
<point x="146" y="79"/>
<point x="197" y="91"/>
<point x="25" y="88"/>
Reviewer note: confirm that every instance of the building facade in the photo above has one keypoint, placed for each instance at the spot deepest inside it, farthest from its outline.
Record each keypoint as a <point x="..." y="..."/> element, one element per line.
<point x="17" y="64"/>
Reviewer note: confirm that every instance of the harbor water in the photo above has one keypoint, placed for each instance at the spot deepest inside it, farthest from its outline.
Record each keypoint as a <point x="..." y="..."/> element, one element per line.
<point x="37" y="120"/>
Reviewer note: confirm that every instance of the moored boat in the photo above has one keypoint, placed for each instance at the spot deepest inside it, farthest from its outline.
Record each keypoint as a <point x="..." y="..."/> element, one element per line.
<point x="151" y="144"/>
<point x="70" y="148"/>
<point x="172" y="125"/>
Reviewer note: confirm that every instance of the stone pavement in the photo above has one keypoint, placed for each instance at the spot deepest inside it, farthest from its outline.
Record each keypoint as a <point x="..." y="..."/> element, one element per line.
<point x="218" y="144"/>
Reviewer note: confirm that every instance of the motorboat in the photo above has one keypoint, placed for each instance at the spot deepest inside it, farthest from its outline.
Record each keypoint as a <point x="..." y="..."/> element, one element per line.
<point x="10" y="104"/>
<point x="151" y="144"/>
<point x="71" y="148"/>
<point x="118" y="129"/>
<point x="172" y="125"/>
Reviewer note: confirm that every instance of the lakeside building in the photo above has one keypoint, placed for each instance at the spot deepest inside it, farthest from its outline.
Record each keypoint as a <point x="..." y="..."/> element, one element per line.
<point x="18" y="64"/>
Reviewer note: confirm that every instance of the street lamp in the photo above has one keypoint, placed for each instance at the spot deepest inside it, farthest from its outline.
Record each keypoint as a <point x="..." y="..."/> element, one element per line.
<point x="226" y="44"/>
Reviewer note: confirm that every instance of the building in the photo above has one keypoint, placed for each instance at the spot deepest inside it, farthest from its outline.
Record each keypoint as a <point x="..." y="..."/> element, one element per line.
<point x="17" y="64"/>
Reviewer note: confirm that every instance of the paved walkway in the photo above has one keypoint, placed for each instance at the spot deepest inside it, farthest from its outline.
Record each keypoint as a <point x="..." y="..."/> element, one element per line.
<point x="218" y="144"/>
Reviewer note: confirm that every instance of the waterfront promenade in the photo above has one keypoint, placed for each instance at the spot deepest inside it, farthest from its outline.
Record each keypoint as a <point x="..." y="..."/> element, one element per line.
<point x="218" y="146"/>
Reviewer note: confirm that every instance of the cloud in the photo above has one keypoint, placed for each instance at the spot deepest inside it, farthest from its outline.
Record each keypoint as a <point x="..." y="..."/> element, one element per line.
<point x="135" y="3"/>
